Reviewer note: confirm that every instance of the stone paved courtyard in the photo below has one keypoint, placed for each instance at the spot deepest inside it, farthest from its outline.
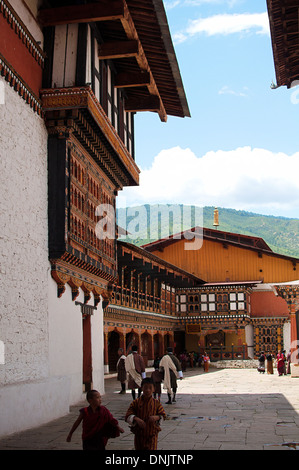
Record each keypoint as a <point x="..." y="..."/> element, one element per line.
<point x="224" y="409"/>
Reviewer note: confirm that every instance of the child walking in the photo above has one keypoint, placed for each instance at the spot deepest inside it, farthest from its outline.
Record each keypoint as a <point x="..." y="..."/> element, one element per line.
<point x="157" y="379"/>
<point x="144" y="416"/>
<point x="97" y="422"/>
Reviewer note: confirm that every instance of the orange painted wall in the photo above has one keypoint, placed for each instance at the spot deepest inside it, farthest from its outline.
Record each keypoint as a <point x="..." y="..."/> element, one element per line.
<point x="214" y="263"/>
<point x="267" y="304"/>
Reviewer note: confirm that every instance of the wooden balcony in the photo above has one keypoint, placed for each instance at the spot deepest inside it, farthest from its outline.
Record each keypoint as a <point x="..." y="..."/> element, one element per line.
<point x="77" y="108"/>
<point x="137" y="300"/>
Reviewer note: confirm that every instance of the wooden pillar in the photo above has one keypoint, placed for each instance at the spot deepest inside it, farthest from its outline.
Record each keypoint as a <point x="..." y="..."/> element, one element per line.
<point x="171" y="340"/>
<point x="87" y="353"/>
<point x="161" y="344"/>
<point x="122" y="284"/>
<point x="165" y="307"/>
<point x="151" y="347"/>
<point x="138" y="289"/>
<point x="139" y="342"/>
<point x="159" y="294"/>
<point x="122" y="342"/>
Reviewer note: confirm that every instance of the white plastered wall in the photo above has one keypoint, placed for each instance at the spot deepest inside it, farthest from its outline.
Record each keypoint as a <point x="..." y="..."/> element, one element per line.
<point x="40" y="334"/>
<point x="24" y="267"/>
<point x="66" y="341"/>
<point x="249" y="340"/>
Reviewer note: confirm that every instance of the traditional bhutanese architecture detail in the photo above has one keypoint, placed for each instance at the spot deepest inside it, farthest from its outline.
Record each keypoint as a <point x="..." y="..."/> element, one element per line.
<point x="268" y="334"/>
<point x="97" y="75"/>
<point x="21" y="57"/>
<point x="284" y="27"/>
<point x="290" y="293"/>
<point x="238" y="298"/>
<point x="85" y="68"/>
<point x="142" y="306"/>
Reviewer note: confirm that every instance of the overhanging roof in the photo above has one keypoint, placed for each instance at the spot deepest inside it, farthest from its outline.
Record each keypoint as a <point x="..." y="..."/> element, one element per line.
<point x="247" y="242"/>
<point x="138" y="31"/>
<point x="151" y="23"/>
<point x="283" y="17"/>
<point x="237" y="239"/>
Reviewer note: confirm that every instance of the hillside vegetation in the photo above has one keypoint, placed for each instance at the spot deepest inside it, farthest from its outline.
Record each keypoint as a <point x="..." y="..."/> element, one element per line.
<point x="152" y="222"/>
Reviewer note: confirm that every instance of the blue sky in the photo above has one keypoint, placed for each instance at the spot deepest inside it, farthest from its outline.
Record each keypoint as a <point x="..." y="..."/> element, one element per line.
<point x="240" y="147"/>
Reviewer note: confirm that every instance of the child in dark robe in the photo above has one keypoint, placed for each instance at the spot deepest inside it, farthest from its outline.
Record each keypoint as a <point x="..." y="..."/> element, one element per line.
<point x="157" y="379"/>
<point x="97" y="422"/>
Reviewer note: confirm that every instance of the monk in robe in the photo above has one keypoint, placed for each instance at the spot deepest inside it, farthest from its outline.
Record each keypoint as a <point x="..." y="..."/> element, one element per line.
<point x="135" y="368"/>
<point x="97" y="422"/>
<point x="170" y="367"/>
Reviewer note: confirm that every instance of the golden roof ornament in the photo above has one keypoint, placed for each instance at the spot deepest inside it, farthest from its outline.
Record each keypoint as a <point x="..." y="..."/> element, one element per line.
<point x="216" y="218"/>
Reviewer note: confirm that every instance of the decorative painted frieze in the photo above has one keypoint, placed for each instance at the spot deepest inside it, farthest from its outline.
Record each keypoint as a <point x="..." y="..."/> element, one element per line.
<point x="21" y="57"/>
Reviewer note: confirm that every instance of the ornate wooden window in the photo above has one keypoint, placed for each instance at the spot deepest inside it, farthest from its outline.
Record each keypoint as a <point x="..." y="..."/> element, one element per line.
<point x="268" y="336"/>
<point x="208" y="303"/>
<point x="237" y="301"/>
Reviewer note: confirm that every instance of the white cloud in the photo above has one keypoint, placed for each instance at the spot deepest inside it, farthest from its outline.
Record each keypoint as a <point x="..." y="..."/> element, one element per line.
<point x="172" y="4"/>
<point x="169" y="4"/>
<point x="225" y="90"/>
<point x="244" y="179"/>
<point x="226" y="24"/>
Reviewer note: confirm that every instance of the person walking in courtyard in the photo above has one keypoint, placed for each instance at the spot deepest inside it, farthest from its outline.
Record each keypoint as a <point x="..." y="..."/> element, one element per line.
<point x="261" y="367"/>
<point x="157" y="380"/>
<point x="183" y="359"/>
<point x="97" y="422"/>
<point x="280" y="363"/>
<point x="206" y="362"/>
<point x="144" y="416"/>
<point x="136" y="371"/>
<point x="269" y="358"/>
<point x="191" y="358"/>
<point x="121" y="370"/>
<point x="170" y="367"/>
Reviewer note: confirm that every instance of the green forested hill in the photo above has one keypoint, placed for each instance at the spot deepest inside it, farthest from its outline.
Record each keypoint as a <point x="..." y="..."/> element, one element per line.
<point x="151" y="222"/>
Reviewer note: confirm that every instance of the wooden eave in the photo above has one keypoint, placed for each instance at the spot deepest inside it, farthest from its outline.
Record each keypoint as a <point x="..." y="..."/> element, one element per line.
<point x="141" y="22"/>
<point x="284" y="27"/>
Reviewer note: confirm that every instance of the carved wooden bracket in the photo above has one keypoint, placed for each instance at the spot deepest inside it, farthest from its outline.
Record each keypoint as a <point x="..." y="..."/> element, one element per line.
<point x="61" y="279"/>
<point x="75" y="284"/>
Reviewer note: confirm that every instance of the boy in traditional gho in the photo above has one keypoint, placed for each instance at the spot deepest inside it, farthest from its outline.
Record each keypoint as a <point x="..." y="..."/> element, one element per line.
<point x="144" y="416"/>
<point x="98" y="424"/>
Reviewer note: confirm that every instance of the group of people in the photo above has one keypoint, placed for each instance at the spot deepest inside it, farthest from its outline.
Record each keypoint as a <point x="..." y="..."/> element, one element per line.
<point x="283" y="362"/>
<point x="144" y="414"/>
<point x="192" y="358"/>
<point x="166" y="370"/>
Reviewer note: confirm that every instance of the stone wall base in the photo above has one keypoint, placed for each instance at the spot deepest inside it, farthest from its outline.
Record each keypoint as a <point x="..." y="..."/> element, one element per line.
<point x="237" y="364"/>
